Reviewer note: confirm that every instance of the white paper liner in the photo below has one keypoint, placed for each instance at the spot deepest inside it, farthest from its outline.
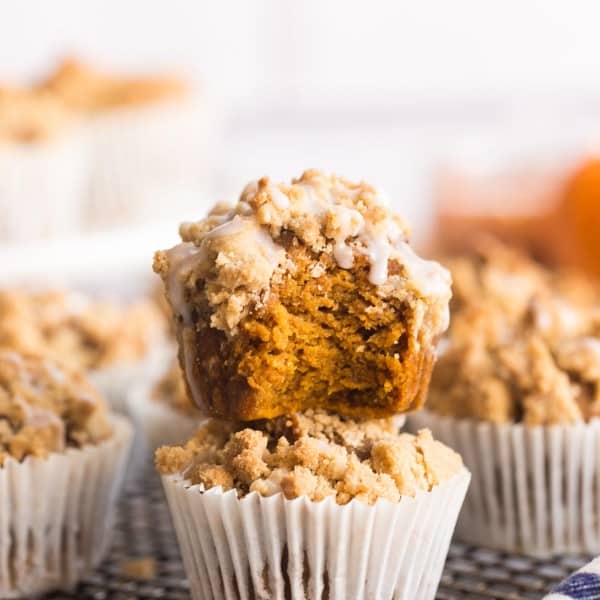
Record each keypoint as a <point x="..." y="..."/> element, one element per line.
<point x="42" y="187"/>
<point x="149" y="162"/>
<point x="116" y="382"/>
<point x="270" y="547"/>
<point x="158" y="423"/>
<point x="56" y="514"/>
<point x="535" y="490"/>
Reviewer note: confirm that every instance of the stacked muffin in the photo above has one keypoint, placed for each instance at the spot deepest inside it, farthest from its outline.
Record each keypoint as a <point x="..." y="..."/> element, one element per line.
<point x="516" y="391"/>
<point x="58" y="443"/>
<point x="305" y="324"/>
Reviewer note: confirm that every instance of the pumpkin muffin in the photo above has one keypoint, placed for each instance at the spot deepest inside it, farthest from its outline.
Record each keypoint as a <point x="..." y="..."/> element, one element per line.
<point x="517" y="392"/>
<point x="57" y="442"/>
<point x="304" y="295"/>
<point x="312" y="505"/>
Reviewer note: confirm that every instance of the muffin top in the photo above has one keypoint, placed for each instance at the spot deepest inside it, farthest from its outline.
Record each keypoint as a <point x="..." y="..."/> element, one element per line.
<point x="27" y="117"/>
<point x="237" y="252"/>
<point x="83" y="88"/>
<point x="170" y="389"/>
<point x="523" y="345"/>
<point x="76" y="331"/>
<point x="45" y="408"/>
<point x="313" y="454"/>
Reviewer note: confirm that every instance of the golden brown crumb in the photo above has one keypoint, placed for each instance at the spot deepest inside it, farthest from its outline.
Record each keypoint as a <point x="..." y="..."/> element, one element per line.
<point x="44" y="408"/>
<point x="83" y="88"/>
<point x="28" y="117"/>
<point x="141" y="569"/>
<point x="304" y="295"/>
<point x="523" y="344"/>
<point x="170" y="389"/>
<point x="312" y="454"/>
<point x="78" y="332"/>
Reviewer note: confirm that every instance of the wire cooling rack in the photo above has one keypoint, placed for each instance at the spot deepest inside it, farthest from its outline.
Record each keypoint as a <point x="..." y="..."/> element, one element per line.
<point x="143" y="530"/>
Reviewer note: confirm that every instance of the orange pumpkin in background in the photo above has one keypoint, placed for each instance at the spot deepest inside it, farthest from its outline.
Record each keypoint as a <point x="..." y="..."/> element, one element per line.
<point x="553" y="214"/>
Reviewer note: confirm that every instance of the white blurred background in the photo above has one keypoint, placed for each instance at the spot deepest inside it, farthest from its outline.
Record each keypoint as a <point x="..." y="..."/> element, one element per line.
<point x="385" y="91"/>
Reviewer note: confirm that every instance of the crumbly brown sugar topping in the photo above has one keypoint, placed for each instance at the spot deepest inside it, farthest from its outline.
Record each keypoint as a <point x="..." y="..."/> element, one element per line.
<point x="238" y="251"/>
<point x="524" y="343"/>
<point x="170" y="389"/>
<point x="76" y="331"/>
<point x="84" y="88"/>
<point x="28" y="117"/>
<point x="45" y="409"/>
<point x="313" y="454"/>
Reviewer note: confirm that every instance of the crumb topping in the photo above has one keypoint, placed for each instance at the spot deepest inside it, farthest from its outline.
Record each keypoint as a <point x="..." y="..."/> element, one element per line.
<point x="313" y="454"/>
<point x="84" y="88"/>
<point x="170" y="389"/>
<point x="237" y="252"/>
<point x="524" y="343"/>
<point x="76" y="331"/>
<point x="27" y="117"/>
<point x="45" y="409"/>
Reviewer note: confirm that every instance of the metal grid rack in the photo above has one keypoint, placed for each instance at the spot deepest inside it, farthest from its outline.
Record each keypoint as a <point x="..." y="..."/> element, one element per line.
<point x="144" y="529"/>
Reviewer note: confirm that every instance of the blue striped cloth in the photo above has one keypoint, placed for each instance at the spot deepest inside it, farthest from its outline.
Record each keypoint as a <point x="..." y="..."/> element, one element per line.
<point x="583" y="584"/>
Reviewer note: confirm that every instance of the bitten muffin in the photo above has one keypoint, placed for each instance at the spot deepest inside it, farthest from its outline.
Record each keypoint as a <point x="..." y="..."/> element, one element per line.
<point x="516" y="392"/>
<point x="312" y="505"/>
<point x="301" y="296"/>
<point x="57" y="442"/>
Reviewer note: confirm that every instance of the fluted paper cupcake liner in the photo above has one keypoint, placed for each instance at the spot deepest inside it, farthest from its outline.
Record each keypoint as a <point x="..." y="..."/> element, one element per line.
<point x="149" y="163"/>
<point x="42" y="186"/>
<point x="56" y="514"/>
<point x="158" y="423"/>
<point x="271" y="547"/>
<point x="116" y="382"/>
<point x="535" y="489"/>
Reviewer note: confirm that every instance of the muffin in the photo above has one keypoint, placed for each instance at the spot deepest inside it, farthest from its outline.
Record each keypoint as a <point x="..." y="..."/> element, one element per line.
<point x="301" y="296"/>
<point x="43" y="165"/>
<point x="115" y="345"/>
<point x="162" y="410"/>
<point x="58" y="443"/>
<point x="517" y="392"/>
<point x="312" y="506"/>
<point x="148" y="140"/>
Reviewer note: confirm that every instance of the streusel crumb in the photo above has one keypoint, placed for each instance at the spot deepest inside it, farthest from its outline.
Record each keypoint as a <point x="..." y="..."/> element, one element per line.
<point x="312" y="454"/>
<point x="76" y="331"/>
<point x="524" y="343"/>
<point x="45" y="408"/>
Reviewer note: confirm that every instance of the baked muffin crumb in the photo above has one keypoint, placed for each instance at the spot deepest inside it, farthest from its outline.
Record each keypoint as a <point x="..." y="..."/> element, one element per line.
<point x="312" y="454"/>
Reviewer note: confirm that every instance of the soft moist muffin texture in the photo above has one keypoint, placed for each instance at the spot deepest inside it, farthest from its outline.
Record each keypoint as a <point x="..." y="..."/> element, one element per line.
<point x="44" y="409"/>
<point x="76" y="331"/>
<point x="304" y="296"/>
<point x="524" y="342"/>
<point x="312" y="454"/>
<point x="83" y="88"/>
<point x="171" y="391"/>
<point x="29" y="118"/>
